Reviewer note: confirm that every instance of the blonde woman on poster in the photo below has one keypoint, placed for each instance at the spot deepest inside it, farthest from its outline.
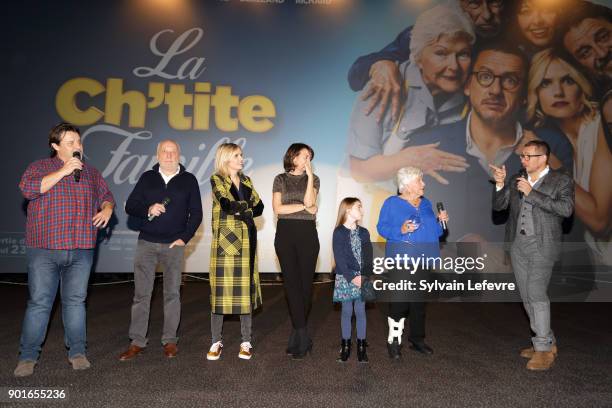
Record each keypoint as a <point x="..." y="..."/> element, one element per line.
<point x="559" y="95"/>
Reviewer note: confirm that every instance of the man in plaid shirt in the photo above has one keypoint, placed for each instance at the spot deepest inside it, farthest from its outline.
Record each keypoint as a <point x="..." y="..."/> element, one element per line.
<point x="68" y="201"/>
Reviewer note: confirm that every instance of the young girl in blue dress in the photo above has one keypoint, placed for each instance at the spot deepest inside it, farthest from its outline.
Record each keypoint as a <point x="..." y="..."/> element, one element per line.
<point x="353" y="259"/>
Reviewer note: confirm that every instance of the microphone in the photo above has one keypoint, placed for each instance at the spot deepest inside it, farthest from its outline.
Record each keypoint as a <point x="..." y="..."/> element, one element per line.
<point x="440" y="207"/>
<point x="77" y="172"/>
<point x="165" y="203"/>
<point x="523" y="174"/>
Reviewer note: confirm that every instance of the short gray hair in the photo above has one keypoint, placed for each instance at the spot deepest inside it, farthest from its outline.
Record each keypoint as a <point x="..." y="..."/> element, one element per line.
<point x="442" y="19"/>
<point x="159" y="145"/>
<point x="406" y="175"/>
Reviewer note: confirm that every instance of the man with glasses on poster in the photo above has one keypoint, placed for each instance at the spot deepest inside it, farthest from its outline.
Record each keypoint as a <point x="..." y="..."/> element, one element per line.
<point x="490" y="134"/>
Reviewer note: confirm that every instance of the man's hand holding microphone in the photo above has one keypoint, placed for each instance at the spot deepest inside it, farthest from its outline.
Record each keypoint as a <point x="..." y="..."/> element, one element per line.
<point x="74" y="166"/>
<point x="158" y="209"/>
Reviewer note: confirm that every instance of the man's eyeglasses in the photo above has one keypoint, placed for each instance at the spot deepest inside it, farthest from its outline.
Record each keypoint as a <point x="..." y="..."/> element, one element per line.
<point x="529" y="156"/>
<point x="509" y="82"/>
<point x="475" y="4"/>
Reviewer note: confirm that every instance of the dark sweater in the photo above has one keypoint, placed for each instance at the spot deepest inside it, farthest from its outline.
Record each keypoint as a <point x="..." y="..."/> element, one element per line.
<point x="346" y="263"/>
<point x="183" y="214"/>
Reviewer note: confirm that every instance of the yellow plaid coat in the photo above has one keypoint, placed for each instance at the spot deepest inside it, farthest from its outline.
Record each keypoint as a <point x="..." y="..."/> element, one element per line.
<point x="234" y="288"/>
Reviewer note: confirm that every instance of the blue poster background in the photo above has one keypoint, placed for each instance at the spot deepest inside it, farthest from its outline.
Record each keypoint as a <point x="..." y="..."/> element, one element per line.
<point x="295" y="55"/>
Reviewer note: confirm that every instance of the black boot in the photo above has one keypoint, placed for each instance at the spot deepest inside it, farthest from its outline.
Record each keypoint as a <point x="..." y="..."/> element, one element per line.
<point x="395" y="350"/>
<point x="362" y="355"/>
<point x="421" y="347"/>
<point x="292" y="346"/>
<point x="304" y="345"/>
<point x="345" y="350"/>
<point x="394" y="347"/>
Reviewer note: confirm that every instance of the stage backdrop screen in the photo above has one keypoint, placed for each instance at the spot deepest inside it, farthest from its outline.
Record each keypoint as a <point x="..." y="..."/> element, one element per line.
<point x="266" y="74"/>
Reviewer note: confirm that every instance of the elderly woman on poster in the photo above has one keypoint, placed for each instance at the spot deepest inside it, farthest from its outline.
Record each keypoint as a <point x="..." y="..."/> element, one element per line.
<point x="440" y="56"/>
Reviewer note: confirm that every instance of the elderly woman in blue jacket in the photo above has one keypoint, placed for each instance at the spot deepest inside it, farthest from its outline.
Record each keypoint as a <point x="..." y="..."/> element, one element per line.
<point x="410" y="226"/>
<point x="353" y="258"/>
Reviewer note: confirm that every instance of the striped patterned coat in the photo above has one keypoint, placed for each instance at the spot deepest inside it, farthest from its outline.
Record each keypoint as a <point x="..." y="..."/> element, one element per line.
<point x="234" y="279"/>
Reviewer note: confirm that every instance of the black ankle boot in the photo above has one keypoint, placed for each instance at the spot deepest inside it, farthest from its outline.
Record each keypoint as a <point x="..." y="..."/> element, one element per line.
<point x="345" y="350"/>
<point x="304" y="345"/>
<point x="362" y="355"/>
<point x="395" y="350"/>
<point x="292" y="346"/>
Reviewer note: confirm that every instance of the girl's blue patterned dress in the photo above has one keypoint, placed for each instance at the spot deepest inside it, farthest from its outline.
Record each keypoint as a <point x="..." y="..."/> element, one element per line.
<point x="345" y="291"/>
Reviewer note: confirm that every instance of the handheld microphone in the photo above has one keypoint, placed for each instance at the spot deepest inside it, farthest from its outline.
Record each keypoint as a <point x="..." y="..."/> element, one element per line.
<point x="523" y="174"/>
<point x="440" y="207"/>
<point x="77" y="172"/>
<point x="165" y="203"/>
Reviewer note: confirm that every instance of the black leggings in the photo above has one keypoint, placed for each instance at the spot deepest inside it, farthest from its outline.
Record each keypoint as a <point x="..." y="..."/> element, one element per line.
<point x="297" y="247"/>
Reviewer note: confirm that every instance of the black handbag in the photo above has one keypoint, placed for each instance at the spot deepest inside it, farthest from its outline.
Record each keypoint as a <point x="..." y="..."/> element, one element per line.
<point x="368" y="294"/>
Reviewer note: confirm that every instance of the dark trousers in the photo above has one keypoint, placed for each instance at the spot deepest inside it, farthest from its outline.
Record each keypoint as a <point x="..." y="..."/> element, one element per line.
<point x="416" y="318"/>
<point x="414" y="309"/>
<point x="297" y="247"/>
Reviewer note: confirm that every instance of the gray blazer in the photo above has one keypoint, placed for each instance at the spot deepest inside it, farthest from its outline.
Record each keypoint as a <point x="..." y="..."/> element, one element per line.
<point x="552" y="201"/>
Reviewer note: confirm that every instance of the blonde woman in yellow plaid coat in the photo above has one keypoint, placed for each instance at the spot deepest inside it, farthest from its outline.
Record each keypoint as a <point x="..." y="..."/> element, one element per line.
<point x="234" y="280"/>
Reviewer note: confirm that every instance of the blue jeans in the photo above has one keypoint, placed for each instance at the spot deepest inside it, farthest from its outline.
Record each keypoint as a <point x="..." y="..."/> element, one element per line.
<point x="48" y="269"/>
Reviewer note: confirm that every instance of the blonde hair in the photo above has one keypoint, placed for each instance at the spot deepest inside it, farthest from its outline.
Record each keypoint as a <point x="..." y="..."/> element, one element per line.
<point x="436" y="22"/>
<point x="539" y="65"/>
<point x="405" y="175"/>
<point x="222" y="156"/>
<point x="346" y="204"/>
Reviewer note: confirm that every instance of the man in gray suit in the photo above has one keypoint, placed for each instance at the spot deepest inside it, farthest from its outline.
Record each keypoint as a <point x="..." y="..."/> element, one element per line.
<point x="539" y="198"/>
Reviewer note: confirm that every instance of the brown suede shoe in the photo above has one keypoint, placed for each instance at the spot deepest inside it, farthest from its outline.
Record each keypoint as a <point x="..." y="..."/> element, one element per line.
<point x="131" y="352"/>
<point x="528" y="352"/>
<point x="541" y="361"/>
<point x="170" y="350"/>
<point x="25" y="368"/>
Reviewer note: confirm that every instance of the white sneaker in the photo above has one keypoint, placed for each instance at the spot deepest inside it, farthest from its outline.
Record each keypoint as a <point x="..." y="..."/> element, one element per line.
<point x="245" y="351"/>
<point x="215" y="351"/>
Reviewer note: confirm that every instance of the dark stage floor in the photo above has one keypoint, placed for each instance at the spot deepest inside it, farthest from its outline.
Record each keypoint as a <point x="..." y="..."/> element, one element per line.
<point x="476" y="361"/>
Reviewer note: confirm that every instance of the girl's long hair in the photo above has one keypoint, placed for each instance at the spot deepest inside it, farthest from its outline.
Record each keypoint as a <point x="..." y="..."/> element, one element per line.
<point x="345" y="205"/>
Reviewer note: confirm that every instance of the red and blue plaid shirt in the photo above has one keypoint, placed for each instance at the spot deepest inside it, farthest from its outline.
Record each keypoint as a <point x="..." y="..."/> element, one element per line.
<point x="61" y="218"/>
